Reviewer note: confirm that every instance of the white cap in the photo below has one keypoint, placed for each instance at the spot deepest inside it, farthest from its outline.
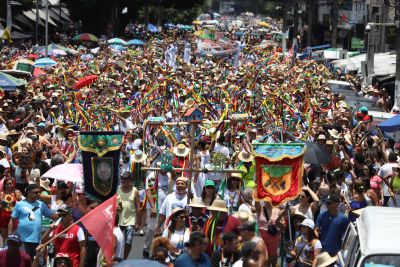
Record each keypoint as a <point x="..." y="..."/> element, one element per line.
<point x="309" y="223"/>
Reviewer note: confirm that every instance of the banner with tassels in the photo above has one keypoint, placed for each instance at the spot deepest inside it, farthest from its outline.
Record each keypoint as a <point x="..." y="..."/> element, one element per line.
<point x="100" y="159"/>
<point x="279" y="171"/>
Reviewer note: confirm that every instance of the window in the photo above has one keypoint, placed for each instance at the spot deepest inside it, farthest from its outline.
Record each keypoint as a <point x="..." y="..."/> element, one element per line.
<point x="382" y="260"/>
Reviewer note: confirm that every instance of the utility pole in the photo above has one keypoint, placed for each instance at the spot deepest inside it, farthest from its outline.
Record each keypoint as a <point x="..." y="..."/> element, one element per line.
<point x="47" y="28"/>
<point x="370" y="29"/>
<point x="295" y="22"/>
<point x="37" y="23"/>
<point x="397" y="82"/>
<point x="159" y="14"/>
<point x="335" y="11"/>
<point x="310" y="21"/>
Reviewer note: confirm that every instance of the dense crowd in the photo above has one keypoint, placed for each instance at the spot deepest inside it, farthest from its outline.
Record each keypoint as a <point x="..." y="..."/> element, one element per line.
<point x="199" y="218"/>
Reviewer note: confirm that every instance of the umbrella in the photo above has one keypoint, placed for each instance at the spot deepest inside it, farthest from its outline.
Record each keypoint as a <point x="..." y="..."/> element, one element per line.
<point x="85" y="81"/>
<point x="37" y="72"/>
<point x="44" y="62"/>
<point x="53" y="52"/>
<point x="117" y="41"/>
<point x="85" y="37"/>
<point x="139" y="262"/>
<point x="135" y="42"/>
<point x="70" y="172"/>
<point x="390" y="125"/>
<point x="117" y="47"/>
<point x="10" y="83"/>
<point x="316" y="154"/>
<point x="87" y="57"/>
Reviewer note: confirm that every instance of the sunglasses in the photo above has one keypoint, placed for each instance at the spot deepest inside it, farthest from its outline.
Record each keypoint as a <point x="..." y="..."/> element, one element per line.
<point x="209" y="187"/>
<point x="63" y="215"/>
<point x="125" y="179"/>
<point x="62" y="262"/>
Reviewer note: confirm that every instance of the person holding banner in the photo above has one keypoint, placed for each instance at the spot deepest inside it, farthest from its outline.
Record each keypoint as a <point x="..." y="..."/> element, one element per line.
<point x="72" y="242"/>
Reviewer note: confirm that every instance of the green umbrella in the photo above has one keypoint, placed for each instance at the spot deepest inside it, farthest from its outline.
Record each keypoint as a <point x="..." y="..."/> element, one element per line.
<point x="10" y="83"/>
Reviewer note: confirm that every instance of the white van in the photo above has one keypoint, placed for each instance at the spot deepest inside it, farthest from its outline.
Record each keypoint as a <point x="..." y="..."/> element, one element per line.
<point x="373" y="240"/>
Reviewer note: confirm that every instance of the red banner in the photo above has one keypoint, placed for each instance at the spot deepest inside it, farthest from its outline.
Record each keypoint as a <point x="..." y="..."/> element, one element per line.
<point x="279" y="172"/>
<point x="100" y="224"/>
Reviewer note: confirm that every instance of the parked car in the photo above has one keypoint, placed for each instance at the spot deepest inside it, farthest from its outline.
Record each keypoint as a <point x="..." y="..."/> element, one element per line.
<point x="373" y="240"/>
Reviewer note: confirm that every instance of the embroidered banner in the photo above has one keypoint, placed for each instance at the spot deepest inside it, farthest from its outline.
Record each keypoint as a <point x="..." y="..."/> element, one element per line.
<point x="100" y="160"/>
<point x="279" y="171"/>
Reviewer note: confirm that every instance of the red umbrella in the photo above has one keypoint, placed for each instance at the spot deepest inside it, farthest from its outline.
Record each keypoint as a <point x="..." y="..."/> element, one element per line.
<point x="85" y="81"/>
<point x="38" y="72"/>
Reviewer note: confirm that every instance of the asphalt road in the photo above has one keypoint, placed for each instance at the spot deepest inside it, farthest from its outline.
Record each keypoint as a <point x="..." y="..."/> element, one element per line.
<point x="137" y="246"/>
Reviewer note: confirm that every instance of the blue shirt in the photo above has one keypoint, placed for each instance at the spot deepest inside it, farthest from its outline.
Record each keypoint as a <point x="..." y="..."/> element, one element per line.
<point x="185" y="260"/>
<point x="29" y="217"/>
<point x="332" y="231"/>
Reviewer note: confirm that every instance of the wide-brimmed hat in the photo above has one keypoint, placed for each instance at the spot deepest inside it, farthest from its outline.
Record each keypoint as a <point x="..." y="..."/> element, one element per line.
<point x="334" y="133"/>
<point x="218" y="205"/>
<point x="324" y="259"/>
<point x="139" y="156"/>
<point x="14" y="132"/>
<point x="245" y="156"/>
<point x="196" y="203"/>
<point x="181" y="150"/>
<point x="45" y="183"/>
<point x="236" y="175"/>
<point x="244" y="216"/>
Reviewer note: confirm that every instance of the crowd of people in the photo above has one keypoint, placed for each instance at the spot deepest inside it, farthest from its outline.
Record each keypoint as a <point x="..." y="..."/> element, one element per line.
<point x="188" y="218"/>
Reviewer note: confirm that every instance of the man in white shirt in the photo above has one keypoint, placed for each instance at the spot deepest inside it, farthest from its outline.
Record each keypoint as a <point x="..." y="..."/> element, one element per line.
<point x="386" y="172"/>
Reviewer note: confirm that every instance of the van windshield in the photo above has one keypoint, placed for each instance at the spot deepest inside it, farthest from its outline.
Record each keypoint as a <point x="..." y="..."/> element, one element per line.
<point x="382" y="261"/>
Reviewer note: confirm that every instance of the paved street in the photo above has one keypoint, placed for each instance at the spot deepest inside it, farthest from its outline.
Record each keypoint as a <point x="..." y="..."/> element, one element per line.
<point x="137" y="247"/>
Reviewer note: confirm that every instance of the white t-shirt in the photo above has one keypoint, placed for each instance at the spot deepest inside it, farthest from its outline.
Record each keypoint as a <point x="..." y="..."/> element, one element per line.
<point x="222" y="149"/>
<point x="384" y="171"/>
<point x="171" y="202"/>
<point x="178" y="238"/>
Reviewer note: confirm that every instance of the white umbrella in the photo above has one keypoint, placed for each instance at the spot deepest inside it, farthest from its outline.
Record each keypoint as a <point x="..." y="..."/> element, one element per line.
<point x="69" y="172"/>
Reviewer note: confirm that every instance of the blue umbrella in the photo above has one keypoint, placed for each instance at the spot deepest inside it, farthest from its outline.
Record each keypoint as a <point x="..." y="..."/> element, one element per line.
<point x="390" y="125"/>
<point x="10" y="83"/>
<point x="135" y="42"/>
<point x="44" y="62"/>
<point x="152" y="28"/>
<point x="118" y="47"/>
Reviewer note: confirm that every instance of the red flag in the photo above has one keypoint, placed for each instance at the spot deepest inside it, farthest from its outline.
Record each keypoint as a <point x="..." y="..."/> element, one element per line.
<point x="100" y="224"/>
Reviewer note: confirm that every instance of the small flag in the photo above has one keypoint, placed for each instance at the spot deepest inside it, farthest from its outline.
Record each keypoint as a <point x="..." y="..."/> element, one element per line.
<point x="100" y="224"/>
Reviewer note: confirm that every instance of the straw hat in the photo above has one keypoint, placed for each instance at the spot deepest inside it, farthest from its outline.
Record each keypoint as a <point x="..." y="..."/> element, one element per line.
<point x="196" y="203"/>
<point x="139" y="156"/>
<point x="245" y="156"/>
<point x="334" y="133"/>
<point x="324" y="259"/>
<point x="244" y="216"/>
<point x="236" y="175"/>
<point x="181" y="150"/>
<point x="218" y="205"/>
<point x="45" y="184"/>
